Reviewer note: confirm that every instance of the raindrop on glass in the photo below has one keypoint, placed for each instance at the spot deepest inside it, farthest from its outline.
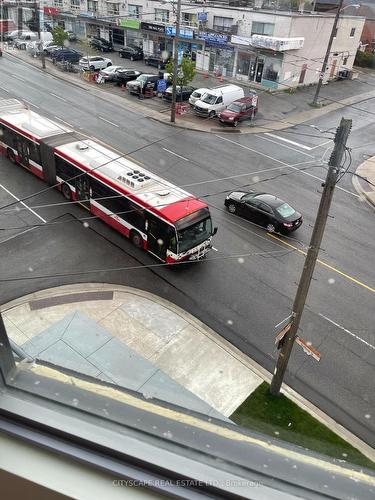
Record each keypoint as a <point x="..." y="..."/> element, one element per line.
<point x="230" y="322"/>
<point x="30" y="269"/>
<point x="241" y="260"/>
<point x="367" y="416"/>
<point x="85" y="224"/>
<point x="331" y="281"/>
<point x="168" y="435"/>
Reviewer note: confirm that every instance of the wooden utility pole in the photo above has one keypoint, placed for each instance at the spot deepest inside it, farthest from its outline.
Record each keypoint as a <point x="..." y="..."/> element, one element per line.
<point x="335" y="162"/>
<point x="37" y="21"/>
<point x="175" y="62"/>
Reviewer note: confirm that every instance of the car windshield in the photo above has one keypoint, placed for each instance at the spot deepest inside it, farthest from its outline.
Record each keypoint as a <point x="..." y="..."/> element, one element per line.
<point x="234" y="107"/>
<point x="285" y="210"/>
<point x="141" y="78"/>
<point x="194" y="235"/>
<point x="196" y="94"/>
<point x="247" y="196"/>
<point x="209" y="99"/>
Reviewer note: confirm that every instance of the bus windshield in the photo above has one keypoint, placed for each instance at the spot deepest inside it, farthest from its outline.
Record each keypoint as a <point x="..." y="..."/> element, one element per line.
<point x="194" y="235"/>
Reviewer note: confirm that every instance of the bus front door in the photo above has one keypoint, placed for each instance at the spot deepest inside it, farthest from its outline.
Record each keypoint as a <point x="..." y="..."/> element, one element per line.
<point x="83" y="190"/>
<point x="157" y="234"/>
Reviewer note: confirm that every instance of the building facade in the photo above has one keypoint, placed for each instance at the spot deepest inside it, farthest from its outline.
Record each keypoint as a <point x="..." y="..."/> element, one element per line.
<point x="272" y="49"/>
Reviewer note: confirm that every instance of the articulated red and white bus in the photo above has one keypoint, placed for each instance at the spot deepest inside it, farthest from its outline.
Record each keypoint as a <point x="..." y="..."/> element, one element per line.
<point x="157" y="216"/>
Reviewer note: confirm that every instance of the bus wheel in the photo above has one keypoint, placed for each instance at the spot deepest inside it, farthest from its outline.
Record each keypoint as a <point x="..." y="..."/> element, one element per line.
<point x="136" y="239"/>
<point x="11" y="156"/>
<point x="66" y="192"/>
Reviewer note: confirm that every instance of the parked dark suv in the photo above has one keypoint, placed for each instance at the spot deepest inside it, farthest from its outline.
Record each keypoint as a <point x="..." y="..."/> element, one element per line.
<point x="156" y="61"/>
<point x="143" y="82"/>
<point x="66" y="54"/>
<point x="101" y="44"/>
<point x="132" y="53"/>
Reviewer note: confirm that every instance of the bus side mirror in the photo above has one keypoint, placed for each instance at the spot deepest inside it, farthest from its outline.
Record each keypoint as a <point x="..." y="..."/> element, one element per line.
<point x="214" y="231"/>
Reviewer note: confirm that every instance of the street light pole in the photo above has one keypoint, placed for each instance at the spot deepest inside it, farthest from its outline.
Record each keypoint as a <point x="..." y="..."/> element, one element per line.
<point x="175" y="62"/>
<point x="325" y="62"/>
<point x="37" y="20"/>
<point x="287" y="342"/>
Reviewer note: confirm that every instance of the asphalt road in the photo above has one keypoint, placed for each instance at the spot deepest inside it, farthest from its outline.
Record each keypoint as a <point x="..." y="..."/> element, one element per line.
<point x="246" y="287"/>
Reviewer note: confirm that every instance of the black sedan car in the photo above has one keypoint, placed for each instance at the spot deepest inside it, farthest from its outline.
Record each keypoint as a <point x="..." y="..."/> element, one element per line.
<point x="182" y="93"/>
<point x="156" y="61"/>
<point x="101" y="44"/>
<point x="124" y="75"/>
<point x="265" y="210"/>
<point x="132" y="53"/>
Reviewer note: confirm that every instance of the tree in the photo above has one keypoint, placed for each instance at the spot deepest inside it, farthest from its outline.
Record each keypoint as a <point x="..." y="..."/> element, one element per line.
<point x="59" y="36"/>
<point x="186" y="71"/>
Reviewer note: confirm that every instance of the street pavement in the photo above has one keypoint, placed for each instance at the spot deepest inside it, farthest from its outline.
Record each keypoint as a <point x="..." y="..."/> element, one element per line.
<point x="245" y="288"/>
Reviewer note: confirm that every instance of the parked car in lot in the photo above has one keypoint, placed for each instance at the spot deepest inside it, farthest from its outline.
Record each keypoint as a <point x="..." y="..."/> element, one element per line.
<point x="157" y="61"/>
<point x="23" y="40"/>
<point x="132" y="53"/>
<point x="125" y="75"/>
<point x="217" y="99"/>
<point x="10" y="36"/>
<point x="101" y="44"/>
<point x="182" y="93"/>
<point x="66" y="54"/>
<point x="197" y="94"/>
<point x="242" y="109"/>
<point x="108" y="74"/>
<point x="139" y="85"/>
<point x="72" y="37"/>
<point x="265" y="210"/>
<point x="94" y="63"/>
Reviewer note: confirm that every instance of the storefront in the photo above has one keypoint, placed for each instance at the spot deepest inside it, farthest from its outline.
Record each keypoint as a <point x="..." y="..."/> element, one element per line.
<point x="128" y="33"/>
<point x="217" y="56"/>
<point x="154" y="41"/>
<point x="186" y="43"/>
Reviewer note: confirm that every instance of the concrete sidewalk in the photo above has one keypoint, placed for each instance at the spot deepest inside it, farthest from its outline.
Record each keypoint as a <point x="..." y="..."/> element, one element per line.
<point x="364" y="180"/>
<point x="277" y="111"/>
<point x="139" y="341"/>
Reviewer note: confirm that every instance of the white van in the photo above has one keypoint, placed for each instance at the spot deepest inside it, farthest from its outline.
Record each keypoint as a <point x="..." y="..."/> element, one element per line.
<point x="217" y="99"/>
<point x="31" y="36"/>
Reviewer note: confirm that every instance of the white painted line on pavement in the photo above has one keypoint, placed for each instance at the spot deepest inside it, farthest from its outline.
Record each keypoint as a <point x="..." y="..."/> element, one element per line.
<point x="22" y="203"/>
<point x="283" y="145"/>
<point x="216" y="250"/>
<point x="323" y="144"/>
<point x="66" y="123"/>
<point x="58" y="97"/>
<point x="283" y="321"/>
<point x="29" y="102"/>
<point x="173" y="153"/>
<point x="111" y="123"/>
<point x="289" y="141"/>
<point x="18" y="78"/>
<point x="287" y="164"/>
<point x="18" y="234"/>
<point x="347" y="331"/>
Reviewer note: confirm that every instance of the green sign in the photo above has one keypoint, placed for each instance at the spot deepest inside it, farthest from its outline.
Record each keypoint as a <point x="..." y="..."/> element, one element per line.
<point x="130" y="23"/>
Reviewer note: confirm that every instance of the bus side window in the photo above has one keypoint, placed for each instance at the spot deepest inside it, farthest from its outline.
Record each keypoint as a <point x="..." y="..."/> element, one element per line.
<point x="172" y="246"/>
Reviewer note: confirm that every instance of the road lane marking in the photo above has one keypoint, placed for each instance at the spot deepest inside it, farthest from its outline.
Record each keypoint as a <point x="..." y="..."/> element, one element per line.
<point x="66" y="123"/>
<point x="105" y="120"/>
<point x="286" y="164"/>
<point x="324" y="264"/>
<point x="322" y="144"/>
<point x="18" y="234"/>
<point x="22" y="203"/>
<point x="58" y="97"/>
<point x="173" y="153"/>
<point x="5" y="90"/>
<point x="29" y="102"/>
<point x="18" y="78"/>
<point x="284" y="320"/>
<point x="216" y="250"/>
<point x="283" y="145"/>
<point x="347" y="331"/>
<point x="288" y="141"/>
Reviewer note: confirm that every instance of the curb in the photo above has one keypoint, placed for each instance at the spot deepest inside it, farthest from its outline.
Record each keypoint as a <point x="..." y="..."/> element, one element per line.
<point x="369" y="195"/>
<point x="213" y="336"/>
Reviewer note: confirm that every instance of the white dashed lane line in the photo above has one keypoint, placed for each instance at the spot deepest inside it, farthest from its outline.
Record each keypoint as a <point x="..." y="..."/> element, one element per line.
<point x="22" y="203"/>
<point x="107" y="121"/>
<point x="175" y="154"/>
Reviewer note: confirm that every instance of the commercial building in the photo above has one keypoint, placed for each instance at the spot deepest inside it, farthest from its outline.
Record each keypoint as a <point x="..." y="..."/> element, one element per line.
<point x="272" y="49"/>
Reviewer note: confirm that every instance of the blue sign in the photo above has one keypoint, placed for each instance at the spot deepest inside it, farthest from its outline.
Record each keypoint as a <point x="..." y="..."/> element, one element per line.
<point x="184" y="32"/>
<point x="213" y="37"/>
<point x="202" y="17"/>
<point x="161" y="86"/>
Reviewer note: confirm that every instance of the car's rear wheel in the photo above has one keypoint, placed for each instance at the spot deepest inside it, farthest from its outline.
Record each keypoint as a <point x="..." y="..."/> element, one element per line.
<point x="211" y="114"/>
<point x="131" y="58"/>
<point x="232" y="208"/>
<point x="109" y="64"/>
<point x="235" y="123"/>
<point x="271" y="228"/>
<point x="92" y="68"/>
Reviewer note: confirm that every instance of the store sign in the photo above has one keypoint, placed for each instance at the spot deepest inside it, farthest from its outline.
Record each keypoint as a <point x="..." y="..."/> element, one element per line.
<point x="278" y="44"/>
<point x="52" y="11"/>
<point x="241" y="40"/>
<point x="157" y="28"/>
<point x="130" y="23"/>
<point x="202" y="17"/>
<point x="213" y="39"/>
<point x="184" y="32"/>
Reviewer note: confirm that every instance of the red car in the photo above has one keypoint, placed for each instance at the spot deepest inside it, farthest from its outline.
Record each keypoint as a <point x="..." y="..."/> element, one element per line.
<point x="242" y="109"/>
